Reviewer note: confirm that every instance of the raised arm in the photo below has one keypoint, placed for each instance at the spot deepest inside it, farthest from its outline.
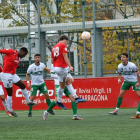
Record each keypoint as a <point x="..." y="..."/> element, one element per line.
<point x="6" y="51"/>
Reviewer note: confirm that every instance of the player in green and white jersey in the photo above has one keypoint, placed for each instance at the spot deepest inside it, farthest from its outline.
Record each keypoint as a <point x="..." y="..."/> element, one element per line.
<point x="68" y="91"/>
<point x="129" y="71"/>
<point x="37" y="82"/>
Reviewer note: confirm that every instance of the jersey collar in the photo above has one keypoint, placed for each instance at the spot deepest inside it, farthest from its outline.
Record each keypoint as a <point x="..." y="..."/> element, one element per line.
<point x="37" y="65"/>
<point x="125" y="65"/>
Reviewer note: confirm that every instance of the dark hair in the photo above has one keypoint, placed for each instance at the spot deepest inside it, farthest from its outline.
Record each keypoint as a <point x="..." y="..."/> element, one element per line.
<point x="37" y="55"/>
<point x="24" y="49"/>
<point x="63" y="37"/>
<point x="125" y="54"/>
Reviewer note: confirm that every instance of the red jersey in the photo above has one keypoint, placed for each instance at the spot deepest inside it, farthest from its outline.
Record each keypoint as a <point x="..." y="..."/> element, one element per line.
<point x="10" y="61"/>
<point x="57" y="55"/>
<point x="0" y="69"/>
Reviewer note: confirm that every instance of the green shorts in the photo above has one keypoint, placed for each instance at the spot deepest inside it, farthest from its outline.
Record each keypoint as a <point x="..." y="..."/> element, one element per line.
<point x="127" y="85"/>
<point x="66" y="91"/>
<point x="42" y="88"/>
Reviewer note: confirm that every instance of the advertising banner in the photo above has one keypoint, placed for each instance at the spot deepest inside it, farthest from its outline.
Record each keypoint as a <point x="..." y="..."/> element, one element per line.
<point x="100" y="93"/>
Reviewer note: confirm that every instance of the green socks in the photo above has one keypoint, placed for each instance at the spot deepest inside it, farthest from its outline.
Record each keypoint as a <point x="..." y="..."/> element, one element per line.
<point x="138" y="109"/>
<point x="30" y="108"/>
<point x="48" y="101"/>
<point x="51" y="106"/>
<point x="74" y="108"/>
<point x="119" y="101"/>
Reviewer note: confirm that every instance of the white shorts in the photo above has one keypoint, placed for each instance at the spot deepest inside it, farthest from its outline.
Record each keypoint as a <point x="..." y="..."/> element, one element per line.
<point x="8" y="79"/>
<point x="62" y="73"/>
<point x="1" y="90"/>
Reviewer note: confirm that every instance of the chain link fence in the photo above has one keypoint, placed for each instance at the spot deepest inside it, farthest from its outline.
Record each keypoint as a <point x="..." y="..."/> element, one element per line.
<point x="115" y="40"/>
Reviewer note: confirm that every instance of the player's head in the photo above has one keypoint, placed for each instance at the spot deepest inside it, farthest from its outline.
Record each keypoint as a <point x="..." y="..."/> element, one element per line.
<point x="64" y="39"/>
<point x="37" y="58"/>
<point x="124" y="58"/>
<point x="22" y="52"/>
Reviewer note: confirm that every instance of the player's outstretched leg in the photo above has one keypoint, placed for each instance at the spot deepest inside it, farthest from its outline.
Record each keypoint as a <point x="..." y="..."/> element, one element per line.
<point x="73" y="92"/>
<point x="28" y="102"/>
<point x="25" y="93"/>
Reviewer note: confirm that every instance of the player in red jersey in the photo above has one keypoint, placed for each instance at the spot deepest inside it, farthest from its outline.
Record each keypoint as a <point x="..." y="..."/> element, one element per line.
<point x="8" y="76"/>
<point x="60" y="62"/>
<point x="2" y="97"/>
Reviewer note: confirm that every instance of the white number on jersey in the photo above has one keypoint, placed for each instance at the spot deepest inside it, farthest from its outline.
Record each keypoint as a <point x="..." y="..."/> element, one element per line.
<point x="56" y="51"/>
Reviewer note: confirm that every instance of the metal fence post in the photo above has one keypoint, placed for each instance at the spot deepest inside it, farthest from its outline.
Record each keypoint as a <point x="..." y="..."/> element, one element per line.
<point x="84" y="42"/>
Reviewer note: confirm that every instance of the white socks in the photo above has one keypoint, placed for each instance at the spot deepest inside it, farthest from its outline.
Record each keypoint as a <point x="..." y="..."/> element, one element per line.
<point x="60" y="94"/>
<point x="5" y="105"/>
<point x="137" y="112"/>
<point x="25" y="94"/>
<point x="117" y="109"/>
<point x="72" y="91"/>
<point x="9" y="101"/>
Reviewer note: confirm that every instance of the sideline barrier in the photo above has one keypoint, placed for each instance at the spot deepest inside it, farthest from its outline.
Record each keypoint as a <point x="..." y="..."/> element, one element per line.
<point x="99" y="92"/>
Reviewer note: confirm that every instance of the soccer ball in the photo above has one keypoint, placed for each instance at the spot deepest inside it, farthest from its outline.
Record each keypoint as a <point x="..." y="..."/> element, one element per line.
<point x="85" y="35"/>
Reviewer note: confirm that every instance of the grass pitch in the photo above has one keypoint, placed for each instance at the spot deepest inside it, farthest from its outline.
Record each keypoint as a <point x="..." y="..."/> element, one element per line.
<point x="97" y="124"/>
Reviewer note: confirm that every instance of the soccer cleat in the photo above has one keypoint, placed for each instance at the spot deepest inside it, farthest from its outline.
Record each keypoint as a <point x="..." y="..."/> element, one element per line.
<point x="8" y="113"/>
<point x="80" y="100"/>
<point x="76" y="118"/>
<point x="61" y="105"/>
<point x="30" y="115"/>
<point x="137" y="116"/>
<point x="115" y="112"/>
<point x="31" y="103"/>
<point x="51" y="112"/>
<point x="13" y="113"/>
<point x="45" y="115"/>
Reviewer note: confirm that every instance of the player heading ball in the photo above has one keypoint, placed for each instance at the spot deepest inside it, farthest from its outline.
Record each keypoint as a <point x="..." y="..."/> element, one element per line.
<point x="9" y="76"/>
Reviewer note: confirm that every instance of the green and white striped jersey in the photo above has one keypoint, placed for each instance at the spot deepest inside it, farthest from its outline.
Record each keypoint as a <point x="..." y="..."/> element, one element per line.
<point x="128" y="71"/>
<point x="36" y="72"/>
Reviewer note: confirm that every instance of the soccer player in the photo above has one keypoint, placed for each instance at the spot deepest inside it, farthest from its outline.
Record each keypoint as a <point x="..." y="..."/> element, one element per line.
<point x="9" y="76"/>
<point x="37" y="82"/>
<point x="67" y="93"/>
<point x="2" y="97"/>
<point x="60" y="62"/>
<point x="69" y="85"/>
<point x="131" y="78"/>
